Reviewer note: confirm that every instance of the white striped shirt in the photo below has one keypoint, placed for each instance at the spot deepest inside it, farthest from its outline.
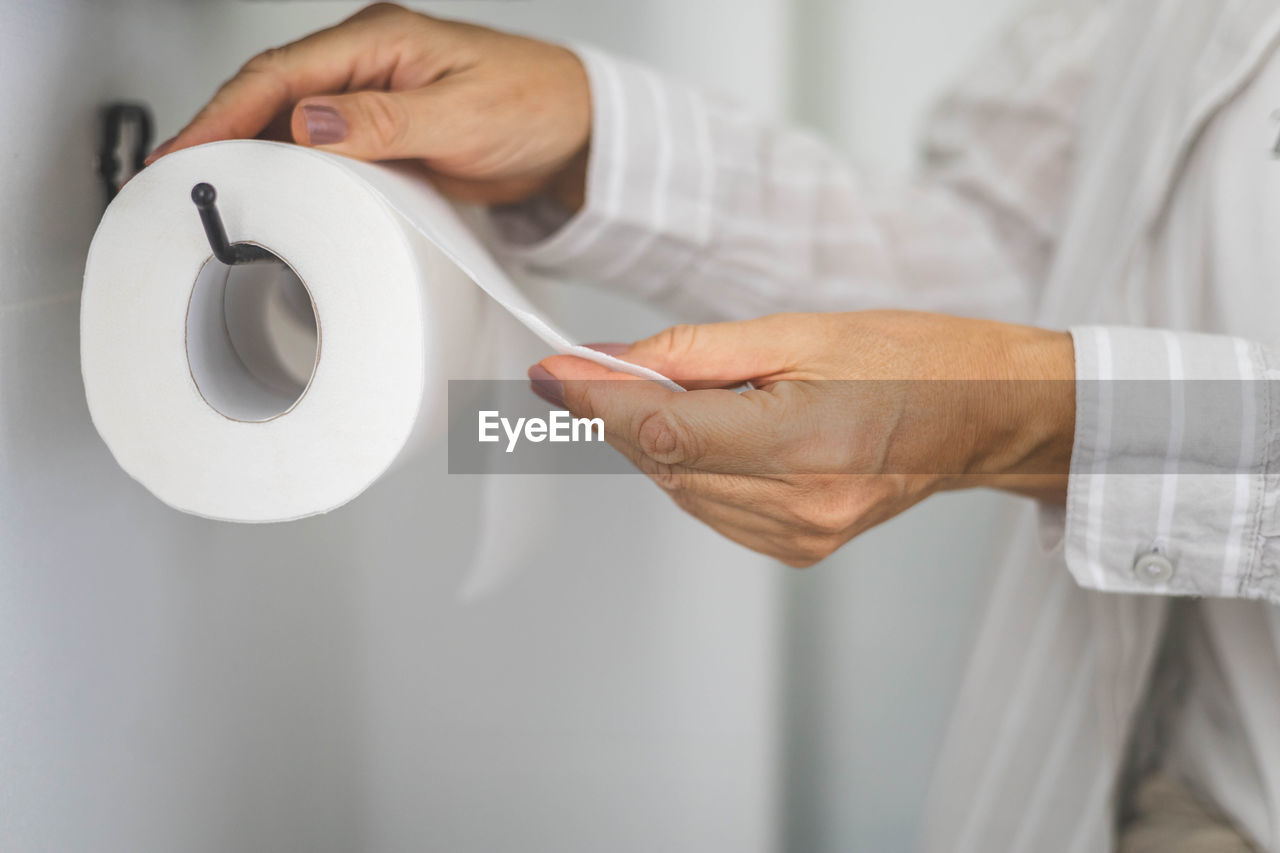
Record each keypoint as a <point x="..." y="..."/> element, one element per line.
<point x="1106" y="168"/>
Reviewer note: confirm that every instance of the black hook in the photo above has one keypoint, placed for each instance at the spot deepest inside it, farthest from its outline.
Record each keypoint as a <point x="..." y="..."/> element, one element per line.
<point x="121" y="123"/>
<point x="206" y="198"/>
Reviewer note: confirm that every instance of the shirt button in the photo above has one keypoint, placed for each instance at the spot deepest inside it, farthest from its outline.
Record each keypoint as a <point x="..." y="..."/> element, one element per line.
<point x="1153" y="568"/>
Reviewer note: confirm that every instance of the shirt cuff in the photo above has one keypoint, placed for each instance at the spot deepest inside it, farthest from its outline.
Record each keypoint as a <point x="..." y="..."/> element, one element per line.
<point x="649" y="187"/>
<point x="1173" y="450"/>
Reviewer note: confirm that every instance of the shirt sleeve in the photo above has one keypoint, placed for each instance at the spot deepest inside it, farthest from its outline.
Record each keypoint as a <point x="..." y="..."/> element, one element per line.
<point x="699" y="204"/>
<point x="1173" y="480"/>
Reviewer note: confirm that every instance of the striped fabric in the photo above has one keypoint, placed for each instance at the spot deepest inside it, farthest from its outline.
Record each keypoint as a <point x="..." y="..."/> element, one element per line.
<point x="1105" y="168"/>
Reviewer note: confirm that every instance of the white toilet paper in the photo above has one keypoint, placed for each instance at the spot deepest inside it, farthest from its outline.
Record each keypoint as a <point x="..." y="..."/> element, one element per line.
<point x="279" y="390"/>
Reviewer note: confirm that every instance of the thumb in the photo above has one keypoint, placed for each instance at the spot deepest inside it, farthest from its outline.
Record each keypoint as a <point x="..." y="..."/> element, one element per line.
<point x="721" y="355"/>
<point x="372" y="125"/>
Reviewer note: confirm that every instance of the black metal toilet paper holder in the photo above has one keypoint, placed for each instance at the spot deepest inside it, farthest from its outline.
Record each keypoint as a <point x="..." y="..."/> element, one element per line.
<point x="124" y="137"/>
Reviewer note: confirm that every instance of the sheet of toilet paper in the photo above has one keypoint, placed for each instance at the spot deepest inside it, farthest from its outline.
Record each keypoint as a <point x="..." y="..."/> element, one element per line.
<point x="283" y="389"/>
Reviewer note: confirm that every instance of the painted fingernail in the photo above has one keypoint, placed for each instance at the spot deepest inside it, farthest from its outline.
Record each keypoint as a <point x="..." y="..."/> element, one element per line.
<point x="159" y="151"/>
<point x="546" y="386"/>
<point x="325" y="125"/>
<point x="610" y="349"/>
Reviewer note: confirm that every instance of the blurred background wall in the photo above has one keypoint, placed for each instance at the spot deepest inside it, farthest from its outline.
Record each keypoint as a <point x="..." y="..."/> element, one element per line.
<point x="168" y="683"/>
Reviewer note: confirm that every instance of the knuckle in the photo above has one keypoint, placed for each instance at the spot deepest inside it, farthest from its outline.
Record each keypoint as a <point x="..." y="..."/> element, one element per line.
<point x="677" y="341"/>
<point x="825" y="516"/>
<point x="381" y="10"/>
<point x="385" y="120"/>
<point x="664" y="439"/>
<point x="263" y="62"/>
<point x="581" y="398"/>
<point x="264" y="69"/>
<point x="688" y="503"/>
<point x="814" y="549"/>
<point x="668" y="479"/>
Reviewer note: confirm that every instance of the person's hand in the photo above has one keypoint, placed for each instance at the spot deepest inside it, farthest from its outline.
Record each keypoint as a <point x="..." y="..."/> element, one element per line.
<point x="494" y="117"/>
<point x="853" y="418"/>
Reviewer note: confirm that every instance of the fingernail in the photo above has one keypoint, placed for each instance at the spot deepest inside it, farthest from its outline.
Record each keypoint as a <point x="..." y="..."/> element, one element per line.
<point x="325" y="125"/>
<point x="546" y="386"/>
<point x="159" y="151"/>
<point x="610" y="349"/>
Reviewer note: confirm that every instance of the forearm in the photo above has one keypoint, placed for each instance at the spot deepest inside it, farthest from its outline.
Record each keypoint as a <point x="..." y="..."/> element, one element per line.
<point x="700" y="205"/>
<point x="704" y="206"/>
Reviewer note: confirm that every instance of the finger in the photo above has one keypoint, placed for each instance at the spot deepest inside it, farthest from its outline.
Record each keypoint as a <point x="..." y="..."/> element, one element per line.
<point x="364" y="50"/>
<point x="588" y="389"/>
<point x="279" y="128"/>
<point x="764" y="515"/>
<point x="424" y="123"/>
<point x="674" y="478"/>
<point x="709" y="430"/>
<point x="760" y="535"/>
<point x="719" y="355"/>
<point x="742" y="508"/>
<point x="767" y="500"/>
<point x="758" y="494"/>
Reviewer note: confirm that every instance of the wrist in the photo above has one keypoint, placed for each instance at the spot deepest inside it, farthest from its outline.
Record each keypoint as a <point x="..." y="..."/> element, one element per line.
<point x="1028" y="414"/>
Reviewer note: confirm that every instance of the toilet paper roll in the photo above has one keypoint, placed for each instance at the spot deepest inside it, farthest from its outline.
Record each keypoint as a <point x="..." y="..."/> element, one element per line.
<point x="284" y="388"/>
